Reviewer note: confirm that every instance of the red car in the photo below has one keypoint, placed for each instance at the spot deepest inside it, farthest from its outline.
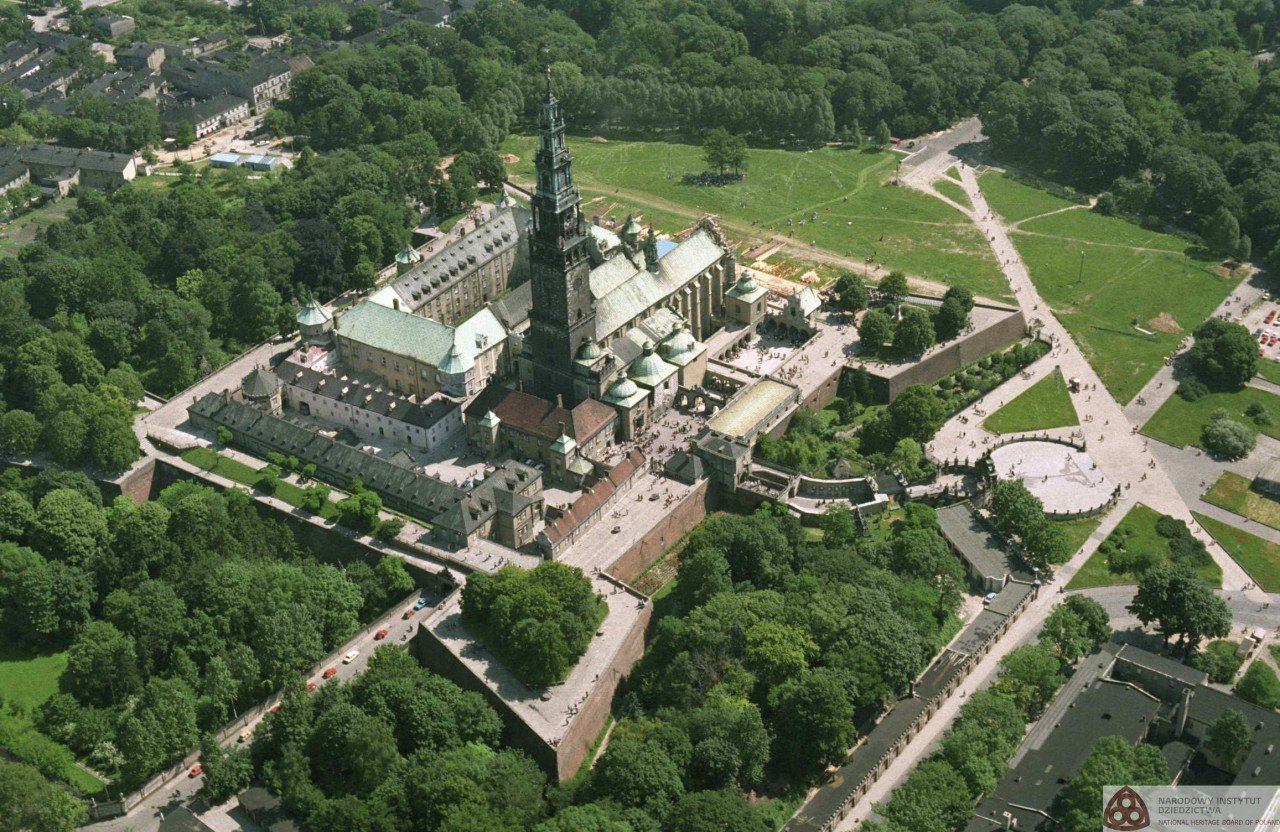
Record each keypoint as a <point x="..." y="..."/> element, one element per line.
<point x="328" y="673"/>
<point x="311" y="686"/>
<point x="196" y="770"/>
<point x="380" y="635"/>
<point x="275" y="709"/>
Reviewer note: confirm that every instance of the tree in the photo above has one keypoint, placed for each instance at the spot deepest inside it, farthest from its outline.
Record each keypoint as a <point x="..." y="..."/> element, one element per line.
<point x="227" y="771"/>
<point x="704" y="572"/>
<point x="1228" y="739"/>
<point x="776" y="652"/>
<point x="1075" y="628"/>
<point x="851" y="291"/>
<point x="1180" y="603"/>
<point x="351" y="751"/>
<point x="69" y="526"/>
<point x="32" y="802"/>
<point x="874" y="330"/>
<point x="914" y="332"/>
<point x="19" y="433"/>
<point x="16" y="515"/>
<point x="1224" y="354"/>
<point x="813" y="719"/>
<point x="1222" y="232"/>
<point x="838" y="525"/>
<point x="716" y="811"/>
<point x="934" y="798"/>
<point x="102" y="665"/>
<point x="1112" y="760"/>
<point x="638" y="775"/>
<point x="881" y="136"/>
<point x="724" y="151"/>
<point x="893" y="288"/>
<point x="1029" y="676"/>
<point x="916" y="414"/>
<point x="1260" y="686"/>
<point x="1227" y="439"/>
<point x="160" y="729"/>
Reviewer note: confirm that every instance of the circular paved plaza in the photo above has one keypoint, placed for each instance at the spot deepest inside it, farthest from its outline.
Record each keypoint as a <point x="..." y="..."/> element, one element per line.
<point x="1065" y="479"/>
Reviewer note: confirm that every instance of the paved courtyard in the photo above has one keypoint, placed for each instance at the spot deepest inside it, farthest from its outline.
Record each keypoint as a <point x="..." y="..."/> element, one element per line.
<point x="1066" y="479"/>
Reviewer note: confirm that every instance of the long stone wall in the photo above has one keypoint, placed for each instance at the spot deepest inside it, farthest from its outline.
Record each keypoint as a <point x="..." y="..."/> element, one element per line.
<point x="683" y="516"/>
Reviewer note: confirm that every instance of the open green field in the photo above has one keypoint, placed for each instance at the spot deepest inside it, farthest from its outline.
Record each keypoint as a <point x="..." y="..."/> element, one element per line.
<point x="1178" y="421"/>
<point x="1044" y="405"/>
<point x="23" y="230"/>
<point x="26" y="680"/>
<point x="1234" y="493"/>
<point x="1015" y="201"/>
<point x="1136" y="533"/>
<point x="1126" y="294"/>
<point x="860" y="213"/>
<point x="953" y="192"/>
<point x="1260" y="558"/>
<point x="1078" y="530"/>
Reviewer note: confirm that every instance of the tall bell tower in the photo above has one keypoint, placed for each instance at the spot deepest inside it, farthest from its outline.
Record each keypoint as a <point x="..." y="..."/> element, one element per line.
<point x="562" y="317"/>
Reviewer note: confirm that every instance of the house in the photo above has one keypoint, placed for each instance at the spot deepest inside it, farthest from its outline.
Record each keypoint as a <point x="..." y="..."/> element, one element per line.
<point x="980" y="549"/>
<point x="204" y="117"/>
<point x="1267" y="482"/>
<point x="136" y="56"/>
<point x="115" y="26"/>
<point x="265" y="80"/>
<point x="52" y="166"/>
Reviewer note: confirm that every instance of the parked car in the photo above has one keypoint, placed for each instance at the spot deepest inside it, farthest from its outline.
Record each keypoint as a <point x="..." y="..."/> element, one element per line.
<point x="420" y="603"/>
<point x="408" y="614"/>
<point x="245" y="735"/>
<point x="311" y="687"/>
<point x="330" y="672"/>
<point x="380" y="635"/>
<point x="275" y="709"/>
<point x="350" y="656"/>
<point x="991" y="596"/>
<point x="196" y="770"/>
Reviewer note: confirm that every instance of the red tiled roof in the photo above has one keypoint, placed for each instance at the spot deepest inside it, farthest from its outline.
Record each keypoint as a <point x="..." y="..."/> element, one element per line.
<point x="594" y="497"/>
<point x="537" y="416"/>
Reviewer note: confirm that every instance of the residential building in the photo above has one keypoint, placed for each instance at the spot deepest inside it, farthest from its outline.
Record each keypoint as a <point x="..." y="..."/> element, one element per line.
<point x="115" y="26"/>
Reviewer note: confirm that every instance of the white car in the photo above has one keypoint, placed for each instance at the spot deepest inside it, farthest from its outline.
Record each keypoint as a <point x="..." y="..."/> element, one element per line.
<point x="350" y="656"/>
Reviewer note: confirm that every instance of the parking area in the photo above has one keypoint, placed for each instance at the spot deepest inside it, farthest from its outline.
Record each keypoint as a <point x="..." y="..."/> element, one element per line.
<point x="1263" y="320"/>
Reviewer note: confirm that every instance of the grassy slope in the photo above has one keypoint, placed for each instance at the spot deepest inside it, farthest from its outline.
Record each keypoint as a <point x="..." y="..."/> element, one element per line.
<point x="233" y="469"/>
<point x="29" y="679"/>
<point x="1140" y="522"/>
<point x="860" y="212"/>
<point x="1129" y="275"/>
<point x="1260" y="558"/>
<point x="1178" y="421"/>
<point x="1046" y="404"/>
<point x="953" y="192"/>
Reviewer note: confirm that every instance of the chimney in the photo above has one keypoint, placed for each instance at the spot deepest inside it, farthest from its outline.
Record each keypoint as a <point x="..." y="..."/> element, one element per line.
<point x="560" y="423"/>
<point x="1186" y="706"/>
<point x="559" y="402"/>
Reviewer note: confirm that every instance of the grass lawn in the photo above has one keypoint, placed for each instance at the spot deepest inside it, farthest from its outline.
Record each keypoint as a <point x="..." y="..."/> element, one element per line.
<point x="1260" y="558"/>
<point x="860" y="212"/>
<point x="1178" y="421"/>
<point x="27" y="679"/>
<point x="1126" y="294"/>
<point x="1078" y="530"/>
<point x="1015" y="201"/>
<point x="1269" y="370"/>
<point x="1136" y="533"/>
<point x="953" y="173"/>
<point x="1045" y="404"/>
<point x="953" y="192"/>
<point x="233" y="469"/>
<point x="23" y="230"/>
<point x="1233" y="492"/>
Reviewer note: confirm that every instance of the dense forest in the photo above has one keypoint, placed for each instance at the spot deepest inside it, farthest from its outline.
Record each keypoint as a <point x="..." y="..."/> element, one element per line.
<point x="173" y="612"/>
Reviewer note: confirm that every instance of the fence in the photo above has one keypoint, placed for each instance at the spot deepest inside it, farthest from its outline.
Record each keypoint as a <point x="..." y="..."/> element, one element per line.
<point x="102" y="810"/>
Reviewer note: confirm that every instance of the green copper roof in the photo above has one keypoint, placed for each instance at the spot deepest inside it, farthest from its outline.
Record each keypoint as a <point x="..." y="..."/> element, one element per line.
<point x="649" y="369"/>
<point x="454" y="363"/>
<point x="564" y="445"/>
<point x="490" y="419"/>
<point x="260" y="383"/>
<point x="679" y="342"/>
<point x="313" y="314"/>
<point x="590" y="351"/>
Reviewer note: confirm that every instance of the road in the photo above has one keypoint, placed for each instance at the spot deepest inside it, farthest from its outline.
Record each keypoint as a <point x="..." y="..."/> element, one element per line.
<point x="181" y="790"/>
<point x="1121" y="454"/>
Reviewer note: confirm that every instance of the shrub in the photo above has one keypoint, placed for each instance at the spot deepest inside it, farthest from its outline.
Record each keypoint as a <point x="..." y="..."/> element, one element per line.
<point x="1260" y="686"/>
<point x="1218" y="659"/>
<point x="1258" y="413"/>
<point x="1192" y="389"/>
<point x="1227" y="439"/>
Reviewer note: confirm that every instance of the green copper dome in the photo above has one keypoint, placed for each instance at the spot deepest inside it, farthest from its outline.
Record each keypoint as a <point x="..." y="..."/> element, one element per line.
<point x="589" y="351"/>
<point x="679" y="342"/>
<point x="622" y="389"/>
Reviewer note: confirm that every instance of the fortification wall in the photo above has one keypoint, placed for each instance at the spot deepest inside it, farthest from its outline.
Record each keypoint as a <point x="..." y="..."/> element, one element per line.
<point x="683" y="516"/>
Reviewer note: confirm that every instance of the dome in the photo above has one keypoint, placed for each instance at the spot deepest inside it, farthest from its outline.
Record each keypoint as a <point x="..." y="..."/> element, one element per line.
<point x="648" y="365"/>
<point x="623" y="388"/>
<point x="679" y="342"/>
<point x="632" y="227"/>
<point x="589" y="351"/>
